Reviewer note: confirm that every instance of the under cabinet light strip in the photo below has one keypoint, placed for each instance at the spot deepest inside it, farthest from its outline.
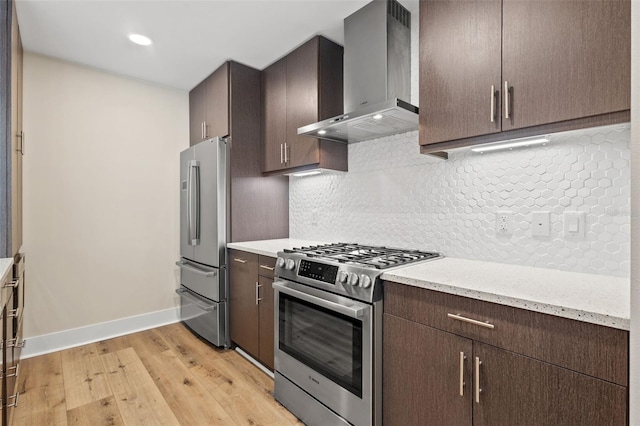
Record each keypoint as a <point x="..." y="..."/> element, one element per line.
<point x="311" y="173"/>
<point x="509" y="145"/>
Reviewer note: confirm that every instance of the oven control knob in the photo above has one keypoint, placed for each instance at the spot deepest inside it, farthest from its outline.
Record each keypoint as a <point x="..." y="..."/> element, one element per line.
<point x="353" y="279"/>
<point x="289" y="264"/>
<point x="280" y="262"/>
<point x="342" y="276"/>
<point x="365" y="281"/>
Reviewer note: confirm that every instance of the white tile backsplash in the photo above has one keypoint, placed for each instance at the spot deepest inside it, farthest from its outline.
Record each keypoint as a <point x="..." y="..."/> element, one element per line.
<point x="393" y="195"/>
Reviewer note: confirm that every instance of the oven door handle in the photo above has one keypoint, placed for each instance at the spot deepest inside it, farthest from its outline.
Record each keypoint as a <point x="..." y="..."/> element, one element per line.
<point x="349" y="311"/>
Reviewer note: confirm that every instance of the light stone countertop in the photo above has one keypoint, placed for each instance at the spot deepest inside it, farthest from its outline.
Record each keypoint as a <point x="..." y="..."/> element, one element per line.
<point x="271" y="247"/>
<point x="5" y="268"/>
<point x="598" y="299"/>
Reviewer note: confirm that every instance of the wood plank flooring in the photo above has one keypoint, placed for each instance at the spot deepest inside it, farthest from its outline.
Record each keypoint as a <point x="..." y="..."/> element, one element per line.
<point x="163" y="376"/>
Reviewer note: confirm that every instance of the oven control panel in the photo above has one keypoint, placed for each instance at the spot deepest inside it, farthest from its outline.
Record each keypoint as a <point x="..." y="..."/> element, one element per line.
<point x="318" y="271"/>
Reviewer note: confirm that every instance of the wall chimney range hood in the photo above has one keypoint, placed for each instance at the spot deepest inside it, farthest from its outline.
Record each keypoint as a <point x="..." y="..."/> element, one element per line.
<point x="377" y="77"/>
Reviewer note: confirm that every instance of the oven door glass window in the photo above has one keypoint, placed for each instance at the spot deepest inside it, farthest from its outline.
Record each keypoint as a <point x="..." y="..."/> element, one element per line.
<point x="326" y="341"/>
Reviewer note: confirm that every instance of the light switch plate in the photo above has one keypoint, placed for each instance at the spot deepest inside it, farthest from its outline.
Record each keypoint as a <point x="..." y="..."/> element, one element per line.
<point x="540" y="224"/>
<point x="574" y="225"/>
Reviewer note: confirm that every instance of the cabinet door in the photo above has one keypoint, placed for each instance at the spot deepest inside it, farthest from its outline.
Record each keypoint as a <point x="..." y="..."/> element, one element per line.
<point x="217" y="103"/>
<point x="460" y="50"/>
<point x="565" y="59"/>
<point x="197" y="113"/>
<point x="243" y="306"/>
<point x="422" y="373"/>
<point x="518" y="390"/>
<point x="17" y="136"/>
<point x="274" y="98"/>
<point x="302" y="103"/>
<point x="266" y="321"/>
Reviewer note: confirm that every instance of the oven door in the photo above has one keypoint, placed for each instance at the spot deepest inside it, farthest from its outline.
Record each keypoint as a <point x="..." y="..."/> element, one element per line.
<point x="323" y="344"/>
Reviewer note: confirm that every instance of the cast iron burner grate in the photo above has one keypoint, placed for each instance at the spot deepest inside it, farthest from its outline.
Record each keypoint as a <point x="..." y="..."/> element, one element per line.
<point x="367" y="256"/>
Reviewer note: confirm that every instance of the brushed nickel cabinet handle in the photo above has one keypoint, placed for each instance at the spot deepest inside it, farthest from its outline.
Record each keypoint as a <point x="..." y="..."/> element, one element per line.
<point x="12" y="284"/>
<point x="286" y="160"/>
<point x="478" y="390"/>
<point x="493" y="103"/>
<point x="202" y="130"/>
<point x="21" y="136"/>
<point x="281" y="155"/>
<point x="458" y="317"/>
<point x="258" y="299"/>
<point x="462" y="358"/>
<point x="205" y="130"/>
<point x="268" y="268"/>
<point x="235" y="259"/>
<point x="15" y="400"/>
<point x="507" y="112"/>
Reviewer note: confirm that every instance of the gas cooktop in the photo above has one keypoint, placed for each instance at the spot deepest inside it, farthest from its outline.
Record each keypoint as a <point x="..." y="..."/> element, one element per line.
<point x="351" y="270"/>
<point x="377" y="257"/>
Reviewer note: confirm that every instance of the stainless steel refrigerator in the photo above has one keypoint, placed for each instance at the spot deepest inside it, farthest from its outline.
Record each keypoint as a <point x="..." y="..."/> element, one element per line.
<point x="204" y="207"/>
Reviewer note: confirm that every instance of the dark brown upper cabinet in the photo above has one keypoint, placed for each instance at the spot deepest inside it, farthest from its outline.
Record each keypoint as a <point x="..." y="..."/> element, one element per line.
<point x="302" y="88"/>
<point x="209" y="107"/>
<point x="495" y="70"/>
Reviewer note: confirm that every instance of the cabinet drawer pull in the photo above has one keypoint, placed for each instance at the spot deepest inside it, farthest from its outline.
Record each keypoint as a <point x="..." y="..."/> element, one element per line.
<point x="493" y="103"/>
<point x="462" y="358"/>
<point x="268" y="268"/>
<point x="478" y="390"/>
<point x="235" y="259"/>
<point x="15" y="400"/>
<point x="16" y="371"/>
<point x="12" y="284"/>
<point x="507" y="112"/>
<point x="485" y="324"/>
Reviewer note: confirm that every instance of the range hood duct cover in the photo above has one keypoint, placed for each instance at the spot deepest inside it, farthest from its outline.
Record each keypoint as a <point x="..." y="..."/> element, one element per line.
<point x="377" y="77"/>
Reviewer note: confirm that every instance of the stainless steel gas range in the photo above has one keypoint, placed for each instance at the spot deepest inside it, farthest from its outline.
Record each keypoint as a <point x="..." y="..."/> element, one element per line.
<point x="328" y="330"/>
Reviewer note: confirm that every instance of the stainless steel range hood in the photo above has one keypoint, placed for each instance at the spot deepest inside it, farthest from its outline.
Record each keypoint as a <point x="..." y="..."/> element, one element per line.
<point x="377" y="77"/>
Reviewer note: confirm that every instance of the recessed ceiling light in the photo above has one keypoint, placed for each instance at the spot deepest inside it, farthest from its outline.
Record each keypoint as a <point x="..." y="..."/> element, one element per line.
<point x="377" y="116"/>
<point x="322" y="132"/>
<point x="140" y="39"/>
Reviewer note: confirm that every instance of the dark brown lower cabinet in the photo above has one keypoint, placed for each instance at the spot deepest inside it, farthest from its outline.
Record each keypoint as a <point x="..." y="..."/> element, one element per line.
<point x="251" y="304"/>
<point x="421" y="375"/>
<point x="517" y="390"/>
<point x="437" y="377"/>
<point x="243" y="308"/>
<point x="265" y="315"/>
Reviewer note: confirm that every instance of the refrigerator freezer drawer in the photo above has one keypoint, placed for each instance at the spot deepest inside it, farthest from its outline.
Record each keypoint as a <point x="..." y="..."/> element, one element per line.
<point x="206" y="281"/>
<point x="204" y="317"/>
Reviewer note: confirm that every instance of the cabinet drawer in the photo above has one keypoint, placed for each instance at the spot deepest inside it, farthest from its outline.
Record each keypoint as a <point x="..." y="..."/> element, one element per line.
<point x="242" y="257"/>
<point x="266" y="266"/>
<point x="580" y="346"/>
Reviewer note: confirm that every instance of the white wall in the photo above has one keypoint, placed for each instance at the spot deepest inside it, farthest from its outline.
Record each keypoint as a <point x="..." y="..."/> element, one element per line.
<point x="101" y="200"/>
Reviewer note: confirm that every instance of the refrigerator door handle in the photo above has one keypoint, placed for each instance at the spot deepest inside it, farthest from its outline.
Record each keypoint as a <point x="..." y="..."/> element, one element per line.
<point x="201" y="304"/>
<point x="185" y="265"/>
<point x="193" y="202"/>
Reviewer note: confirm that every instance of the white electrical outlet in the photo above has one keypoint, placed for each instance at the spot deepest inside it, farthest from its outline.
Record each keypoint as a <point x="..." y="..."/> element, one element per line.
<point x="504" y="222"/>
<point x="540" y="224"/>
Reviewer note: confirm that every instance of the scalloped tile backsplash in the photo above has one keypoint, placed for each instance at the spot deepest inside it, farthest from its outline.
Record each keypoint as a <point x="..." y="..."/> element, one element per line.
<point x="393" y="195"/>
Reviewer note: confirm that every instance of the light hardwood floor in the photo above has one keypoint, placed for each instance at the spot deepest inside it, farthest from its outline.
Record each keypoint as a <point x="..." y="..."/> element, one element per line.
<point x="163" y="376"/>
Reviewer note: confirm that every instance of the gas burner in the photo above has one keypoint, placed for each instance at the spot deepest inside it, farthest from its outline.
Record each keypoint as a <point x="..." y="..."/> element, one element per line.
<point x="377" y="257"/>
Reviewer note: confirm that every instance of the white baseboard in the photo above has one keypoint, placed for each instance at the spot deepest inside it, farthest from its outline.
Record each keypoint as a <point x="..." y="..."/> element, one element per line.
<point x="53" y="342"/>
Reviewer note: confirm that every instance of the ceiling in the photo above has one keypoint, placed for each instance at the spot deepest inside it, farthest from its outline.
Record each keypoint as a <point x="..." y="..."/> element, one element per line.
<point x="191" y="38"/>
